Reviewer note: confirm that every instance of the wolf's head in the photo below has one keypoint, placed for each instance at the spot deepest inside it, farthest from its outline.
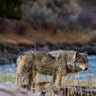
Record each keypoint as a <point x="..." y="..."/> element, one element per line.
<point x="81" y="60"/>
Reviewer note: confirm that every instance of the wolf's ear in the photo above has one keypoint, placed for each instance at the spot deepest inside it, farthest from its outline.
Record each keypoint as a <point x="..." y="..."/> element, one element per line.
<point x="86" y="53"/>
<point x="77" y="54"/>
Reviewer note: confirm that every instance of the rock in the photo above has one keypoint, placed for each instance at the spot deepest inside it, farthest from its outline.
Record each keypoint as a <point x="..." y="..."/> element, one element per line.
<point x="9" y="89"/>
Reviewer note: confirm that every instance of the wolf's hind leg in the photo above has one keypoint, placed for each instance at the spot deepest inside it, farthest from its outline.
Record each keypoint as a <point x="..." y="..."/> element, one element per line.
<point x="20" y="77"/>
<point x="30" y="80"/>
<point x="16" y="79"/>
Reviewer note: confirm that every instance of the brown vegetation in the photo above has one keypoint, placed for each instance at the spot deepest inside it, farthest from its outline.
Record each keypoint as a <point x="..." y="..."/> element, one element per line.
<point x="43" y="36"/>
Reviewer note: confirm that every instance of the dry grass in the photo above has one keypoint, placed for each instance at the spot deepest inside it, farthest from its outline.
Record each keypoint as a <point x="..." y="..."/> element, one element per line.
<point x="43" y="36"/>
<point x="7" y="77"/>
<point x="71" y="84"/>
<point x="14" y="39"/>
<point x="66" y="82"/>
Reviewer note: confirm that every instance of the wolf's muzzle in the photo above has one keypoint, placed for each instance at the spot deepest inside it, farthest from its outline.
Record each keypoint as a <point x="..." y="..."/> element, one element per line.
<point x="85" y="69"/>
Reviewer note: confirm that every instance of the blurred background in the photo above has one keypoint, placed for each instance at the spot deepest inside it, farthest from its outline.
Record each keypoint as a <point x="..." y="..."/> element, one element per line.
<point x="46" y="25"/>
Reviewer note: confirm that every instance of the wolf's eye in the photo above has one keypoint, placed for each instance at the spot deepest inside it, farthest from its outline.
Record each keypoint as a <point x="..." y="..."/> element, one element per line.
<point x="81" y="61"/>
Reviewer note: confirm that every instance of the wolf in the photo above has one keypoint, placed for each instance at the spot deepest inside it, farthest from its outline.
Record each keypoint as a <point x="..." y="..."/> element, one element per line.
<point x="75" y="62"/>
<point x="35" y="61"/>
<point x="52" y="63"/>
<point x="74" y="59"/>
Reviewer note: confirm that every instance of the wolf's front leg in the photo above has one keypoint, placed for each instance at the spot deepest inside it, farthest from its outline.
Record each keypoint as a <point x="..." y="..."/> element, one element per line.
<point x="58" y="81"/>
<point x="58" y="84"/>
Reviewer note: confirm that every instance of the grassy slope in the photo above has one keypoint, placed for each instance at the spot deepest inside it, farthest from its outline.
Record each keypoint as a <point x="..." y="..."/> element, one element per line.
<point x="43" y="37"/>
<point x="71" y="82"/>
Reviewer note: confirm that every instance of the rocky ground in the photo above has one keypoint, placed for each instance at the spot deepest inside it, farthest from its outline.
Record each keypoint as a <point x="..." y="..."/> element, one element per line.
<point x="70" y="91"/>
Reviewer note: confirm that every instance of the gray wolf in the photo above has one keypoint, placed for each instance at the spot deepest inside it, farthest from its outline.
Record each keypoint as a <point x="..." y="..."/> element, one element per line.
<point x="54" y="63"/>
<point x="74" y="59"/>
<point x="35" y="61"/>
<point x="75" y="62"/>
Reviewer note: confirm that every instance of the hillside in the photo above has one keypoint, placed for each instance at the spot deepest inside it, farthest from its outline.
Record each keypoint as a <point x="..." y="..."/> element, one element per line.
<point x="48" y="25"/>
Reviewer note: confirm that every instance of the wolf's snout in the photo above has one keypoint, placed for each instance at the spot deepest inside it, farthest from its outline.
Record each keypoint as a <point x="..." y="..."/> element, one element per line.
<point x="85" y="69"/>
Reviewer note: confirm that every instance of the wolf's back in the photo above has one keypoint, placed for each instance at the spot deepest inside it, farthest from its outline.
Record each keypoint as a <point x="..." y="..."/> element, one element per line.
<point x="70" y="55"/>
